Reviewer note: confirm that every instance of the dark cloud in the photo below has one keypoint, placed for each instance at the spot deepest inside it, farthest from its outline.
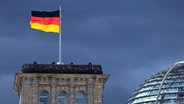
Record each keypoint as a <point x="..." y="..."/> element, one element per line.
<point x="6" y="89"/>
<point x="130" y="39"/>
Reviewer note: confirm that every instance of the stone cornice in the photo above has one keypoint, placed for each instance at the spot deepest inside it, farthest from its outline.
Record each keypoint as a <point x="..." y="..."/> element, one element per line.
<point x="59" y="79"/>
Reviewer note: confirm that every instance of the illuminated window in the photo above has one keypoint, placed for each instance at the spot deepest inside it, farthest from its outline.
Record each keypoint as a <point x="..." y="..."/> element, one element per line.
<point x="80" y="98"/>
<point x="62" y="98"/>
<point x="44" y="97"/>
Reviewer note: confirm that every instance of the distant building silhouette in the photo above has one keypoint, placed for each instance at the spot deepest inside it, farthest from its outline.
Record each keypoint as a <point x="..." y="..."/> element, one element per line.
<point x="60" y="84"/>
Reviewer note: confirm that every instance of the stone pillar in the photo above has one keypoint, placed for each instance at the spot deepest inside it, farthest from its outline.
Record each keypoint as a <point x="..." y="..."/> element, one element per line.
<point x="21" y="96"/>
<point x="53" y="91"/>
<point x="35" y="96"/>
<point x="90" y="94"/>
<point x="22" y="91"/>
<point x="26" y="92"/>
<point x="71" y="94"/>
<point x="98" y="96"/>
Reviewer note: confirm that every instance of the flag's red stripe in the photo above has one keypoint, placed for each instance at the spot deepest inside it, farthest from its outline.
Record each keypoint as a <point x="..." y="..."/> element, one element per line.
<point x="45" y="20"/>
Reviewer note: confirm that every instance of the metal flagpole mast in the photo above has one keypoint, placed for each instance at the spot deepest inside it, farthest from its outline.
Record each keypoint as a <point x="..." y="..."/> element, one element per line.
<point x="60" y="54"/>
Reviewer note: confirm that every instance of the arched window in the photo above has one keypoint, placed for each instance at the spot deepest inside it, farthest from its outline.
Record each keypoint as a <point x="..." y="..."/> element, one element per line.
<point x="44" y="97"/>
<point x="62" y="98"/>
<point x="80" y="98"/>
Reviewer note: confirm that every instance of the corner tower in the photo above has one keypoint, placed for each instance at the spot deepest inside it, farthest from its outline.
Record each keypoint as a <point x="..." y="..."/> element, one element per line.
<point x="60" y="84"/>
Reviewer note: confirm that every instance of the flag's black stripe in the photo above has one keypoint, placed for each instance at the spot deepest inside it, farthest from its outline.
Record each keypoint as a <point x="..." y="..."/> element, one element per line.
<point x="45" y="14"/>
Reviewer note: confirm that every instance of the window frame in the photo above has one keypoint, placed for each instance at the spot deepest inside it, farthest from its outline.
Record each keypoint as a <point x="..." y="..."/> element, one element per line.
<point x="45" y="97"/>
<point x="78" y="97"/>
<point x="60" y="96"/>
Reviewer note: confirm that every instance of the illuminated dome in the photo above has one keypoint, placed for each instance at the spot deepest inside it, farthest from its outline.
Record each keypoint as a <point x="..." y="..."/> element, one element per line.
<point x="172" y="91"/>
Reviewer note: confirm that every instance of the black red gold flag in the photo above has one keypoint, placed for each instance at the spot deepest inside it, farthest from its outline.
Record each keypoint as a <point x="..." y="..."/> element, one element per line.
<point x="45" y="21"/>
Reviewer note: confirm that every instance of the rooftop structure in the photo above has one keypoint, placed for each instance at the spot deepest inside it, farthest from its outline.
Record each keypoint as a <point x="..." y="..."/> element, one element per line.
<point x="65" y="69"/>
<point x="172" y="90"/>
<point x="60" y="84"/>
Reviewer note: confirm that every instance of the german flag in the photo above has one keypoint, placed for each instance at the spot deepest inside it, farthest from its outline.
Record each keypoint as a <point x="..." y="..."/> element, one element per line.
<point x="45" y="21"/>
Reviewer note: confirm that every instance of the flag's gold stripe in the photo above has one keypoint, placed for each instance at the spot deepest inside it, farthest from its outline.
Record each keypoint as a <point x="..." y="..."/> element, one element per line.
<point x="45" y="28"/>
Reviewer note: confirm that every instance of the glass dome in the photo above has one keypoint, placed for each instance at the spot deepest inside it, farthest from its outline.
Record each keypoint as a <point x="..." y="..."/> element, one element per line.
<point x="172" y="91"/>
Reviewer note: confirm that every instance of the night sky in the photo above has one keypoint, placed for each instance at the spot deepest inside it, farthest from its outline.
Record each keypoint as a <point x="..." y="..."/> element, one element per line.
<point x="131" y="39"/>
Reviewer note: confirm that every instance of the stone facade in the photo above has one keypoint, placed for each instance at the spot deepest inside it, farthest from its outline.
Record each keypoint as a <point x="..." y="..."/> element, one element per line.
<point x="29" y="85"/>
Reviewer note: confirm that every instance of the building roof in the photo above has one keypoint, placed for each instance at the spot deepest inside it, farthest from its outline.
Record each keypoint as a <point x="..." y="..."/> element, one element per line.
<point x="172" y="91"/>
<point x="60" y="68"/>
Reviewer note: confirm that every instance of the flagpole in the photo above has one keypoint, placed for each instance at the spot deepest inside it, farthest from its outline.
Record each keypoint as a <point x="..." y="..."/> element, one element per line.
<point x="60" y="54"/>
